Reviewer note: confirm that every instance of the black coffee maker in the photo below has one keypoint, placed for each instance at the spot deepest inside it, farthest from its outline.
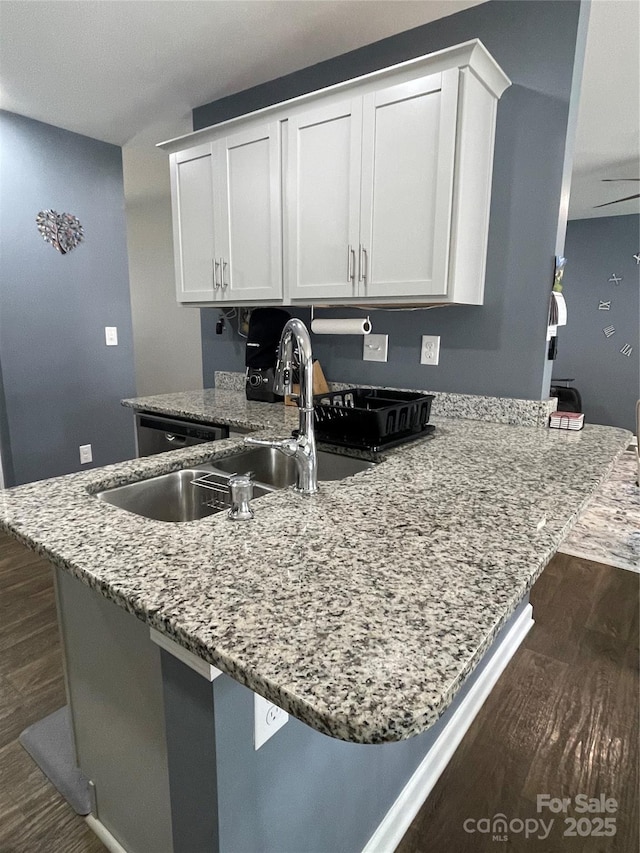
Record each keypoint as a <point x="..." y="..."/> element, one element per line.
<point x="265" y="328"/>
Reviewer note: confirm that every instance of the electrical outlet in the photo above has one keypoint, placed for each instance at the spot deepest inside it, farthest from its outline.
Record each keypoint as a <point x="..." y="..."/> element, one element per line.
<point x="375" y="347"/>
<point x="430" y="349"/>
<point x="85" y="454"/>
<point x="111" y="336"/>
<point x="268" y="719"/>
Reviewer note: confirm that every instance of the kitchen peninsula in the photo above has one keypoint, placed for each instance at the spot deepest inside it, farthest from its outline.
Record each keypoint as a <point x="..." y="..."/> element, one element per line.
<point x="370" y="613"/>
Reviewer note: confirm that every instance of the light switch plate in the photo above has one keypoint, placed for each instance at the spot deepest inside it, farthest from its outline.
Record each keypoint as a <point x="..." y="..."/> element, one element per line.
<point x="375" y="347"/>
<point x="111" y="336"/>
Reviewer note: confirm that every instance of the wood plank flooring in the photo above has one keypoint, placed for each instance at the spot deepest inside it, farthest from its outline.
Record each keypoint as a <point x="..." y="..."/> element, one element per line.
<point x="34" y="818"/>
<point x="562" y="720"/>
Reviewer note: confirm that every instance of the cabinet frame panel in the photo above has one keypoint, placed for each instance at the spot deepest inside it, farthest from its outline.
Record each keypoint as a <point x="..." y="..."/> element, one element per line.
<point x="203" y="291"/>
<point x="446" y="84"/>
<point x="298" y="290"/>
<point x="269" y="132"/>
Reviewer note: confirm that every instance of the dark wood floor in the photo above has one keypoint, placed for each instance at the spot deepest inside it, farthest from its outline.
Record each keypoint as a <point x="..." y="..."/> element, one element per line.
<point x="34" y="818"/>
<point x="562" y="720"/>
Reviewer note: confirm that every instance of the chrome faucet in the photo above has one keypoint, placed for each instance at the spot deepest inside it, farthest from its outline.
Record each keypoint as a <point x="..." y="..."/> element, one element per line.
<point x="302" y="448"/>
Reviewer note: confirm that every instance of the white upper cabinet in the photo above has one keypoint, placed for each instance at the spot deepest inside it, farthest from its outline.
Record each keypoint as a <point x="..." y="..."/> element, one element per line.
<point x="370" y="188"/>
<point x="408" y="155"/>
<point x="371" y="191"/>
<point x="323" y="200"/>
<point x="192" y="203"/>
<point x="227" y="218"/>
<point x="250" y="244"/>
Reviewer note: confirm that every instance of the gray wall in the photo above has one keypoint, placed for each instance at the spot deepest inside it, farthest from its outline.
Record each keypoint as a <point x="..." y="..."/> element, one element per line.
<point x="115" y="694"/>
<point x="62" y="385"/>
<point x="6" y="466"/>
<point x="608" y="381"/>
<point x="499" y="348"/>
<point x="166" y="335"/>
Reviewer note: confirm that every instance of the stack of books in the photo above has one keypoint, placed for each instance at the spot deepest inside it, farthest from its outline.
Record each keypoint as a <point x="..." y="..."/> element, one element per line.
<point x="566" y="420"/>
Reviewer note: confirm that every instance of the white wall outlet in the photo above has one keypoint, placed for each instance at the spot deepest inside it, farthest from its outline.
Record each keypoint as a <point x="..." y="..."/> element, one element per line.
<point x="111" y="336"/>
<point x="268" y="718"/>
<point x="85" y="454"/>
<point x="375" y="347"/>
<point x="430" y="349"/>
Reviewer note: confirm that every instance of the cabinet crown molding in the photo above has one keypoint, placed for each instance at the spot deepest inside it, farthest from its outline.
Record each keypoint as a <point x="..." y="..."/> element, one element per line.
<point x="470" y="54"/>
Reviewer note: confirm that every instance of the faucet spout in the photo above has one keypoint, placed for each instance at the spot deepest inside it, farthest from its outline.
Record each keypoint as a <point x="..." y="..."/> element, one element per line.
<point x="303" y="448"/>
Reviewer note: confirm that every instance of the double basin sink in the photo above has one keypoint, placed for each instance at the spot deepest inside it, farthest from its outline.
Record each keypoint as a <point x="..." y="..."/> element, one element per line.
<point x="195" y="493"/>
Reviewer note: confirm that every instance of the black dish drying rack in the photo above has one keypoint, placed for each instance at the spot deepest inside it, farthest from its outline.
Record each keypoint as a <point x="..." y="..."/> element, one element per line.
<point x="371" y="418"/>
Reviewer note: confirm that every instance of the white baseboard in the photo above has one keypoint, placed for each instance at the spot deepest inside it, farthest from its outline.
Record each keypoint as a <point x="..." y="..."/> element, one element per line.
<point x="401" y="814"/>
<point x="104" y="835"/>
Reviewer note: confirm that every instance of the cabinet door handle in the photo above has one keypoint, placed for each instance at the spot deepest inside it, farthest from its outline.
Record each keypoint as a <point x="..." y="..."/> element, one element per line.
<point x="216" y="283"/>
<point x="223" y="266"/>
<point x="364" y="264"/>
<point x="351" y="264"/>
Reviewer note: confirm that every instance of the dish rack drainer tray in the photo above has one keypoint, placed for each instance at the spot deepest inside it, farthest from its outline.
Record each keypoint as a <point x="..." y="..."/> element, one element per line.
<point x="365" y="417"/>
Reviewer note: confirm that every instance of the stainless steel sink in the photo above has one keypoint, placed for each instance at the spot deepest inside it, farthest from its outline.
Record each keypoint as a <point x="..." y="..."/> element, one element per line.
<point x="175" y="497"/>
<point x="274" y="468"/>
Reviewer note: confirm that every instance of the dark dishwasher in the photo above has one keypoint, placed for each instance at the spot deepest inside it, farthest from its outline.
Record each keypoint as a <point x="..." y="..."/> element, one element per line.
<point x="157" y="434"/>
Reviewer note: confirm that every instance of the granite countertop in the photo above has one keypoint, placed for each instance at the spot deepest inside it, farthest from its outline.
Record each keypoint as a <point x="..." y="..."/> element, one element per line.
<point x="212" y="405"/>
<point x="360" y="610"/>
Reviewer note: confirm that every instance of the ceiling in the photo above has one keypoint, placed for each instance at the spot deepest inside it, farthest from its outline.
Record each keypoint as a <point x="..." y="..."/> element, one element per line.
<point x="112" y="68"/>
<point x="607" y="139"/>
<point x="131" y="71"/>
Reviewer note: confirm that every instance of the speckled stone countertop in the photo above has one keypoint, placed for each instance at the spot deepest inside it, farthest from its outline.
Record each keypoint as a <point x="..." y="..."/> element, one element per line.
<point x="360" y="610"/>
<point x="227" y="402"/>
<point x="222" y="407"/>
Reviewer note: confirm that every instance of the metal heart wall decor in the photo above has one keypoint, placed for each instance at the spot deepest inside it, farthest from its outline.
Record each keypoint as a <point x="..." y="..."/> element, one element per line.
<point x="62" y="230"/>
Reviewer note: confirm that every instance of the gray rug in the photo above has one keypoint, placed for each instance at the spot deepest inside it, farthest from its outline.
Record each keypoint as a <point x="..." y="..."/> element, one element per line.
<point x="50" y="743"/>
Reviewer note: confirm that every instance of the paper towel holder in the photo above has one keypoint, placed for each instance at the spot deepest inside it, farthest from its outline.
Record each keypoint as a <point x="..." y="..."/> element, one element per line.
<point x="359" y="327"/>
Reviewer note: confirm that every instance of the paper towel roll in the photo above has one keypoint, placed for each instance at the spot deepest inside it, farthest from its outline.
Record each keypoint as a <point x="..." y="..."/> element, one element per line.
<point x="562" y="308"/>
<point x="341" y="327"/>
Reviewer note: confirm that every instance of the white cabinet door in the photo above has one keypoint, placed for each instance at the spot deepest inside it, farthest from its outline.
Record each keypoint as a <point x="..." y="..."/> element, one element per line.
<point x="248" y="236"/>
<point x="409" y="143"/>
<point x="323" y="200"/>
<point x="192" y="195"/>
